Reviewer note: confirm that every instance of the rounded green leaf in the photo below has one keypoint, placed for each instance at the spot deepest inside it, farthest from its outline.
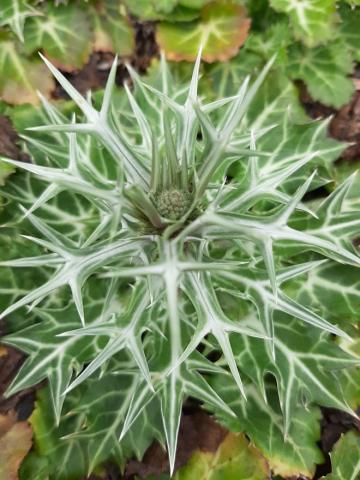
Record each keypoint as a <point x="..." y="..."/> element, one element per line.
<point x="113" y="32"/>
<point x="63" y="33"/>
<point x="23" y="77"/>
<point x="345" y="458"/>
<point x="221" y="30"/>
<point x="14" y="13"/>
<point x="235" y="458"/>
<point x="325" y="71"/>
<point x="312" y="21"/>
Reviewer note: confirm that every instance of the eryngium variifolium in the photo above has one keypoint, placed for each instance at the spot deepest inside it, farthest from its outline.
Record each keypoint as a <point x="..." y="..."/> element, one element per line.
<point x="200" y="225"/>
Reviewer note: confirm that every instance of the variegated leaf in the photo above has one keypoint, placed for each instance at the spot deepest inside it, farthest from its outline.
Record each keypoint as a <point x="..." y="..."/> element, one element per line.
<point x="56" y="33"/>
<point x="221" y="30"/>
<point x="235" y="457"/>
<point x="345" y="458"/>
<point x="325" y="70"/>
<point x="22" y="75"/>
<point x="191" y="229"/>
<point x="113" y="32"/>
<point x="312" y="21"/>
<point x="13" y="13"/>
<point x="262" y="421"/>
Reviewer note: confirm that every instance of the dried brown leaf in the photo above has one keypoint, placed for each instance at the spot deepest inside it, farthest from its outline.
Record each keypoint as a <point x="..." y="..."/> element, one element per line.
<point x="15" y="442"/>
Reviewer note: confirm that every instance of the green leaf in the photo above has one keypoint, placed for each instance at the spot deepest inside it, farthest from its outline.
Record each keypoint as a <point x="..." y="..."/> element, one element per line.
<point x="312" y="21"/>
<point x="262" y="15"/>
<point x="194" y="3"/>
<point x="315" y="66"/>
<point x="221" y="30"/>
<point x="291" y="456"/>
<point x="288" y="143"/>
<point x="234" y="458"/>
<point x="334" y="224"/>
<point x="278" y="93"/>
<point x="89" y="433"/>
<point x="49" y="354"/>
<point x="353" y="3"/>
<point x="325" y="71"/>
<point x="57" y="34"/>
<point x="350" y="380"/>
<point x="345" y="458"/>
<point x="13" y="13"/>
<point x="333" y="290"/>
<point x="13" y="285"/>
<point x="227" y="76"/>
<point x="350" y="21"/>
<point x="113" y="32"/>
<point x="34" y="467"/>
<point x="169" y="10"/>
<point x="276" y="96"/>
<point x="274" y="41"/>
<point x="65" y="459"/>
<point x="23" y="76"/>
<point x="143" y="9"/>
<point x="165" y="6"/>
<point x="302" y="373"/>
<point x="105" y="416"/>
<point x="5" y="171"/>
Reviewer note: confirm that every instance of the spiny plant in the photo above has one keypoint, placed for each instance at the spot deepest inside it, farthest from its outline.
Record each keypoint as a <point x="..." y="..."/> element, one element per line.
<point x="172" y="227"/>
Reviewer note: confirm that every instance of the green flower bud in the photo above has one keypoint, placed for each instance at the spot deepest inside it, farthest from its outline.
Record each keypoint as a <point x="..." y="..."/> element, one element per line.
<point x="173" y="204"/>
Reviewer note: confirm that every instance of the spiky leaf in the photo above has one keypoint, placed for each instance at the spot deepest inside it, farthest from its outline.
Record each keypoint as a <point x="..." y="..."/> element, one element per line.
<point x="209" y="276"/>
<point x="262" y="420"/>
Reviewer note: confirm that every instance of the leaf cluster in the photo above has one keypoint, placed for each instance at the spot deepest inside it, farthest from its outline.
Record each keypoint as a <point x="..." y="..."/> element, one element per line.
<point x="66" y="33"/>
<point x="316" y="42"/>
<point x="323" y="57"/>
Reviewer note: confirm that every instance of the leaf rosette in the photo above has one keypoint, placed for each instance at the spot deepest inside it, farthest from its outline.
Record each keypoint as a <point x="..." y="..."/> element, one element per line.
<point x="173" y="229"/>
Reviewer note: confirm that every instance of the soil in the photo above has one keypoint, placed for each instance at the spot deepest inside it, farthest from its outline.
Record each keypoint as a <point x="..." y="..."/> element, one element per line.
<point x="345" y="123"/>
<point x="333" y="424"/>
<point x="198" y="430"/>
<point x="23" y="402"/>
<point x="94" y="74"/>
<point x="9" y="141"/>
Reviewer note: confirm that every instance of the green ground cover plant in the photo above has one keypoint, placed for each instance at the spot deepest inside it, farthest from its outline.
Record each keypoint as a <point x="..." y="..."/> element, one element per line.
<point x="311" y="38"/>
